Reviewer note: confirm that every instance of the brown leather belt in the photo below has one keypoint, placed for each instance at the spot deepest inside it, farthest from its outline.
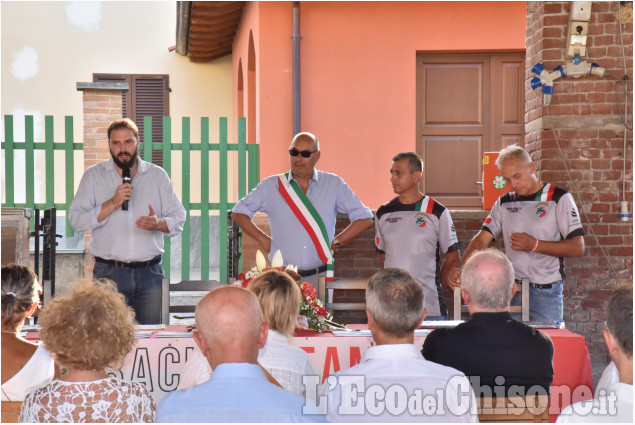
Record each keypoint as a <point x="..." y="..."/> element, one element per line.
<point x="131" y="265"/>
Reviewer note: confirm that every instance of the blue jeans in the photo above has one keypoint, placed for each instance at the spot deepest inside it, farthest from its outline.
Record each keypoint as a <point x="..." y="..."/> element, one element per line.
<point x="141" y="288"/>
<point x="545" y="305"/>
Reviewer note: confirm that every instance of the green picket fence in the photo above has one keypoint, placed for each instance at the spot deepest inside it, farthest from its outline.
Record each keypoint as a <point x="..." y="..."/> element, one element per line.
<point x="248" y="166"/>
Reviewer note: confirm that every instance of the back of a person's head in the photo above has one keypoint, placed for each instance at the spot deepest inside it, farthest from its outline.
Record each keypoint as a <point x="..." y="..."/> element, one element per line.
<point x="488" y="278"/>
<point x="88" y="328"/>
<point x="619" y="318"/>
<point x="279" y="298"/>
<point x="230" y="316"/>
<point x="20" y="290"/>
<point x="395" y="301"/>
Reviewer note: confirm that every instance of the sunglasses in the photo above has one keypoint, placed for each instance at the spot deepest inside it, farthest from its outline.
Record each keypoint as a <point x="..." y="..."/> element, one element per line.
<point x="305" y="154"/>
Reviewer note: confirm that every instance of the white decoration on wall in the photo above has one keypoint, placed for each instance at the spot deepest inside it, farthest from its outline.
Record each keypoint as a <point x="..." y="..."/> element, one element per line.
<point x="84" y="16"/>
<point x="25" y="63"/>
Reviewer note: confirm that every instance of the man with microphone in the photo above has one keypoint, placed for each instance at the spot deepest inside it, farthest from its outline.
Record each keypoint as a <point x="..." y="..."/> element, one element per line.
<point x="129" y="205"/>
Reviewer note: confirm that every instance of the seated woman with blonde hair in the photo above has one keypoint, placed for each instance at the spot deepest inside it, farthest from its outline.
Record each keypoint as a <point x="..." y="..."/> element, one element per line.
<point x="25" y="365"/>
<point x="279" y="298"/>
<point x="88" y="332"/>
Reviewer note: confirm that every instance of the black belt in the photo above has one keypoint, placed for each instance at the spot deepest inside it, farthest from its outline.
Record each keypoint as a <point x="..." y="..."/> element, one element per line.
<point x="541" y="285"/>
<point x="131" y="265"/>
<point x="311" y="272"/>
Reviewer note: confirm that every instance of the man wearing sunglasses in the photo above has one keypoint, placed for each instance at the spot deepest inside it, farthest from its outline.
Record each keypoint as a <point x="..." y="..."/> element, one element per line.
<point x="302" y="207"/>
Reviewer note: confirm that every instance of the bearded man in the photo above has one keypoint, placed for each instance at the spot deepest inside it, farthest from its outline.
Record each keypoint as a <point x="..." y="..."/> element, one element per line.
<point x="128" y="217"/>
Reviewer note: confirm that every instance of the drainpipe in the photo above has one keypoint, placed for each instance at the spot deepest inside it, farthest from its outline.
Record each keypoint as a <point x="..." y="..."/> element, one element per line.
<point x="183" y="9"/>
<point x="296" y="67"/>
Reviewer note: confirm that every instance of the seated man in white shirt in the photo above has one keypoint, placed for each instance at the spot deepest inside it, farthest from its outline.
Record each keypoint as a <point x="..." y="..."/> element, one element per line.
<point x="616" y="404"/>
<point x="393" y="382"/>
<point x="229" y="331"/>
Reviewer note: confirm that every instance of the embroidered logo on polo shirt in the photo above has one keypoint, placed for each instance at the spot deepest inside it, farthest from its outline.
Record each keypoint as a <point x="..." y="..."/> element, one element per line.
<point x="488" y="220"/>
<point x="541" y="209"/>
<point x="421" y="220"/>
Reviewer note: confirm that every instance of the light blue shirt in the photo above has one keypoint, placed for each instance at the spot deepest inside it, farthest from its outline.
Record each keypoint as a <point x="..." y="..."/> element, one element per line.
<point x="117" y="237"/>
<point x="328" y="193"/>
<point x="236" y="392"/>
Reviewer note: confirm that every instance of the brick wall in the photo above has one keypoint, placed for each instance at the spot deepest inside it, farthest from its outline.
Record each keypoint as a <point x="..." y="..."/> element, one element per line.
<point x="583" y="120"/>
<point x="102" y="105"/>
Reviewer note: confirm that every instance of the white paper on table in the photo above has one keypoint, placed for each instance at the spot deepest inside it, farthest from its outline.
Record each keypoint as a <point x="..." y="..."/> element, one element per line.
<point x="174" y="334"/>
<point x="157" y="326"/>
<point x="366" y="332"/>
<point x="362" y="332"/>
<point x="440" y="324"/>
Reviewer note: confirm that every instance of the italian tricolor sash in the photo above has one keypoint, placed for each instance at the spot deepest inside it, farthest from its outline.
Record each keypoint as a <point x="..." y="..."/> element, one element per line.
<point x="310" y="219"/>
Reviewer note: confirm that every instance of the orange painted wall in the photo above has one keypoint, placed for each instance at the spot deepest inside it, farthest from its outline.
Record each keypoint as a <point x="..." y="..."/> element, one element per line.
<point x="358" y="75"/>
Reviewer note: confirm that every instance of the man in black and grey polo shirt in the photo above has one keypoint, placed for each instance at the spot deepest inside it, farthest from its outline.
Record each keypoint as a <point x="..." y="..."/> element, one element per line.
<point x="540" y="225"/>
<point x="415" y="233"/>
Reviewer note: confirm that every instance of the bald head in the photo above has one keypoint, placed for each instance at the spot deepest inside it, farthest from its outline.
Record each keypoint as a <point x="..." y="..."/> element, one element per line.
<point x="229" y="326"/>
<point x="305" y="136"/>
<point x="488" y="278"/>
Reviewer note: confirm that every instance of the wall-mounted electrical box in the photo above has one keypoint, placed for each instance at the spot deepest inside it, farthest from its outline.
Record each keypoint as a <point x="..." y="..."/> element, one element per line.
<point x="581" y="11"/>
<point x="577" y="38"/>
<point x="579" y="18"/>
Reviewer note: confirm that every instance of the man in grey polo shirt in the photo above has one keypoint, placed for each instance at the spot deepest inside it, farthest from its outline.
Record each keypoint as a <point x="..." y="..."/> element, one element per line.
<point x="540" y="225"/>
<point x="415" y="233"/>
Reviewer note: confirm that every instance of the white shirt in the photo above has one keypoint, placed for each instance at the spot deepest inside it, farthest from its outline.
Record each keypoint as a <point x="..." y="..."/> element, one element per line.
<point x="616" y="406"/>
<point x="285" y="362"/>
<point x="38" y="371"/>
<point x="610" y="377"/>
<point x="117" y="237"/>
<point x="394" y="383"/>
<point x="107" y="400"/>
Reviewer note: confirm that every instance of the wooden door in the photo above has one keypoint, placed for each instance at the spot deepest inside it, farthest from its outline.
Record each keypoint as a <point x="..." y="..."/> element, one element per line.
<point x="467" y="104"/>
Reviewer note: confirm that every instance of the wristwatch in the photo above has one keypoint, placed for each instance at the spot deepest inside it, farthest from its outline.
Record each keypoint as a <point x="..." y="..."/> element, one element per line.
<point x="337" y="245"/>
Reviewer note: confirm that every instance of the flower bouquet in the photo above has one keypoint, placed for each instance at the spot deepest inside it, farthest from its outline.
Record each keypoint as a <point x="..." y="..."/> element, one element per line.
<point x="313" y="315"/>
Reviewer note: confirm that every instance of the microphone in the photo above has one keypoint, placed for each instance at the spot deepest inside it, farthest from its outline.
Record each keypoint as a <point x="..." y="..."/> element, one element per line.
<point x="126" y="179"/>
